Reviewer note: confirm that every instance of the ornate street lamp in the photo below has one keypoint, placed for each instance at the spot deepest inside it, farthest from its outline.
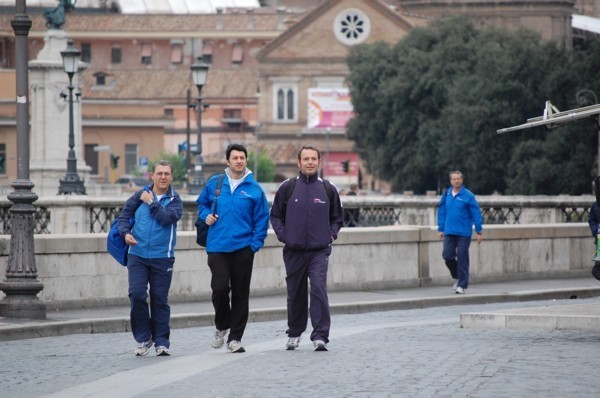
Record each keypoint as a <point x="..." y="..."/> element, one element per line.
<point x="199" y="75"/>
<point x="71" y="184"/>
<point x="21" y="285"/>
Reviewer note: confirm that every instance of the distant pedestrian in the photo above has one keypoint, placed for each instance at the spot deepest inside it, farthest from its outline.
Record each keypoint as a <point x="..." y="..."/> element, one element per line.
<point x="307" y="216"/>
<point x="594" y="222"/>
<point x="351" y="215"/>
<point x="237" y="231"/>
<point x="151" y="257"/>
<point x="458" y="211"/>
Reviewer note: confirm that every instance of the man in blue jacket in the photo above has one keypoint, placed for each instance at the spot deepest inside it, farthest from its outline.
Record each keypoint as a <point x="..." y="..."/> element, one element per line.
<point x="156" y="209"/>
<point x="307" y="220"/>
<point x="458" y="211"/>
<point x="237" y="231"/>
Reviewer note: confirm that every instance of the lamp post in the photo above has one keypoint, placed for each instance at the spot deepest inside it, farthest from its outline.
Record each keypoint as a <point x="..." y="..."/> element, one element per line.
<point x="588" y="97"/>
<point x="199" y="75"/>
<point x="71" y="184"/>
<point x="21" y="285"/>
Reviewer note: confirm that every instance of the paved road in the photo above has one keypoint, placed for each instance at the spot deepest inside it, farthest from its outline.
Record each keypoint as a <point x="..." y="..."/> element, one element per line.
<point x="406" y="353"/>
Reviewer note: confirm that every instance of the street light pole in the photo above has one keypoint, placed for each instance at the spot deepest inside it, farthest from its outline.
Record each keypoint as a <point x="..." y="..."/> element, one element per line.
<point x="588" y="97"/>
<point x="21" y="285"/>
<point x="199" y="75"/>
<point x="71" y="184"/>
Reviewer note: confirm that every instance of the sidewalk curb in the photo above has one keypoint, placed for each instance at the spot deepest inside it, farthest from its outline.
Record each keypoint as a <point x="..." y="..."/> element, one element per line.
<point x="36" y="329"/>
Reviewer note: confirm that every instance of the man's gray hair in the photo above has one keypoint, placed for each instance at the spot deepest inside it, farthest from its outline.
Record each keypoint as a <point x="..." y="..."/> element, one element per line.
<point x="162" y="163"/>
<point x="456" y="172"/>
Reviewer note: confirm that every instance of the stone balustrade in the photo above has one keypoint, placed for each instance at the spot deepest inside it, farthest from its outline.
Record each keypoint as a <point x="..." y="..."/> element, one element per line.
<point x="83" y="214"/>
<point x="77" y="272"/>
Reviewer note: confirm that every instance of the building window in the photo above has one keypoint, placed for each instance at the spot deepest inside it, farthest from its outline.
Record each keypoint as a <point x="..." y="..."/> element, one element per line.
<point x="169" y="113"/>
<point x="176" y="53"/>
<point x="131" y="158"/>
<point x="115" y="56"/>
<point x="207" y="53"/>
<point x="351" y="26"/>
<point x="285" y="108"/>
<point x="147" y="53"/>
<point x="237" y="56"/>
<point x="86" y="52"/>
<point x="2" y="158"/>
<point x="100" y="78"/>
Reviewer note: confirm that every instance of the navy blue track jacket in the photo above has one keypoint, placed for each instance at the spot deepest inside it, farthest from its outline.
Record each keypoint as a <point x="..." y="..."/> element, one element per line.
<point x="306" y="223"/>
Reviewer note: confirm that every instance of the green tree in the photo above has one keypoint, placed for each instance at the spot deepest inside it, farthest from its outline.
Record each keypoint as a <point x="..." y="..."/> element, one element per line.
<point x="178" y="163"/>
<point x="265" y="166"/>
<point x="433" y="102"/>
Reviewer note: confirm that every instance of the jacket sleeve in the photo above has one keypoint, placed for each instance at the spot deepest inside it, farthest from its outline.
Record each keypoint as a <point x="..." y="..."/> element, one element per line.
<point x="204" y="202"/>
<point x="169" y="214"/>
<point x="442" y="212"/>
<point x="129" y="209"/>
<point x="593" y="220"/>
<point x="336" y="216"/>
<point x="277" y="213"/>
<point x="476" y="214"/>
<point x="260" y="221"/>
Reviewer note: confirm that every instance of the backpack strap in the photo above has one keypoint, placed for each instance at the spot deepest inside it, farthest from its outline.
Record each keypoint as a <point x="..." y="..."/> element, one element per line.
<point x="289" y="190"/>
<point x="217" y="192"/>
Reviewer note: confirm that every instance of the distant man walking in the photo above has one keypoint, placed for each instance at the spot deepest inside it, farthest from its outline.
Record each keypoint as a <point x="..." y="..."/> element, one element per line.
<point x="307" y="216"/>
<point x="458" y="211"/>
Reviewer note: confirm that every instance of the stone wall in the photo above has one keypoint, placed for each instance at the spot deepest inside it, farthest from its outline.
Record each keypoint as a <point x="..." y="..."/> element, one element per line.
<point x="77" y="272"/>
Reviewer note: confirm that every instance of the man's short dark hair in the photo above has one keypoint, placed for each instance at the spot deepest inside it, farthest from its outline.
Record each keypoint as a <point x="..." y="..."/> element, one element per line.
<point x="310" y="147"/>
<point x="162" y="163"/>
<point x="235" y="147"/>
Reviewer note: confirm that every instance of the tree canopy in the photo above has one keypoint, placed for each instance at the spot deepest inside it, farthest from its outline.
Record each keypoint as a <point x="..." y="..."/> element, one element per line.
<point x="432" y="103"/>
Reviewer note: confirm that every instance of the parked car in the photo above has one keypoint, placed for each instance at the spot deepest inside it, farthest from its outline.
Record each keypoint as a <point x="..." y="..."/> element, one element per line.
<point x="132" y="181"/>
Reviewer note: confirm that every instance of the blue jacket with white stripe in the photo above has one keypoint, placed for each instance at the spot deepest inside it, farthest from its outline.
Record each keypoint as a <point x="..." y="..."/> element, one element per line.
<point x="155" y="227"/>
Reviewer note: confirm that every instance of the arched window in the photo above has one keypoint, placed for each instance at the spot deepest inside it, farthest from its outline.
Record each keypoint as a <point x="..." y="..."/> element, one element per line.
<point x="285" y="106"/>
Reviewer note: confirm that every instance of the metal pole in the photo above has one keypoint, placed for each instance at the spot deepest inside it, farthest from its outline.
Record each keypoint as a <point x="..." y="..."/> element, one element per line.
<point x="71" y="184"/>
<point x="187" y="134"/>
<point x="586" y="97"/>
<point x="196" y="187"/>
<point x="21" y="285"/>
<point x="327" y="132"/>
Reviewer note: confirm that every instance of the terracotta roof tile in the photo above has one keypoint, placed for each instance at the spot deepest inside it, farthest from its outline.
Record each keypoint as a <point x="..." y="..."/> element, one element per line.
<point x="165" y="84"/>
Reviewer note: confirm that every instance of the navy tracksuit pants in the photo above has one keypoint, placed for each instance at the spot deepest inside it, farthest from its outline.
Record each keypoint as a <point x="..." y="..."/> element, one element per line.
<point x="154" y="276"/>
<point x="302" y="266"/>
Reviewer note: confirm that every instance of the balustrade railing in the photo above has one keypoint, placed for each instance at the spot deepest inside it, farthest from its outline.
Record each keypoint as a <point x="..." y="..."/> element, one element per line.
<point x="365" y="211"/>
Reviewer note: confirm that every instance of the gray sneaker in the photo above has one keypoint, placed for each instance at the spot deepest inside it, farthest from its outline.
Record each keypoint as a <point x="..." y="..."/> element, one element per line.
<point x="142" y="348"/>
<point x="320" y="345"/>
<point x="162" y="351"/>
<point x="235" y="346"/>
<point x="218" y="339"/>
<point x="460" y="290"/>
<point x="293" y="343"/>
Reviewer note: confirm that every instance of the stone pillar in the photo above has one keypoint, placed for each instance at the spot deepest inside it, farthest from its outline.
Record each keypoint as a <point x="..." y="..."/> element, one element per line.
<point x="50" y="117"/>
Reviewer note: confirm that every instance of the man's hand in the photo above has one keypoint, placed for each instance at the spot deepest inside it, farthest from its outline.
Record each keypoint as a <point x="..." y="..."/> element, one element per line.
<point x="479" y="238"/>
<point x="441" y="235"/>
<point x="146" y="196"/>
<point x="130" y="240"/>
<point x="211" y="219"/>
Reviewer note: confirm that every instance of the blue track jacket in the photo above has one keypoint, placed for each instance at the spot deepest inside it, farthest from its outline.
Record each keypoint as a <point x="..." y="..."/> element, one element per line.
<point x="155" y="226"/>
<point x="243" y="215"/>
<point x="457" y="214"/>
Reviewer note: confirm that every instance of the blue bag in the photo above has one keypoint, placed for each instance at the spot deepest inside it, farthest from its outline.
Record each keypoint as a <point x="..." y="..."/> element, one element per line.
<point x="115" y="244"/>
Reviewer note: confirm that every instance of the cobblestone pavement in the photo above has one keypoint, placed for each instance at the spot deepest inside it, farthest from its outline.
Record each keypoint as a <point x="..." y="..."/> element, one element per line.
<point x="409" y="353"/>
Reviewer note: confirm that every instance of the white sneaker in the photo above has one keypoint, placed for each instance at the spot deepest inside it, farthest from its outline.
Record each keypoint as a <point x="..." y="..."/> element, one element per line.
<point x="460" y="290"/>
<point x="455" y="285"/>
<point x="162" y="351"/>
<point x="319" y="345"/>
<point x="218" y="339"/>
<point x="235" y="346"/>
<point x="142" y="348"/>
<point x="293" y="343"/>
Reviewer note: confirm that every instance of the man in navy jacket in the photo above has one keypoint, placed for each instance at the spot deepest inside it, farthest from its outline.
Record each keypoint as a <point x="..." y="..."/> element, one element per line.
<point x="307" y="223"/>
<point x="458" y="211"/>
<point x="151" y="241"/>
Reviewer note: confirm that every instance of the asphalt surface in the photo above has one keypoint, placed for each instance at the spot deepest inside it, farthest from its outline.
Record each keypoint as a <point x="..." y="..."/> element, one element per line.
<point x="417" y="342"/>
